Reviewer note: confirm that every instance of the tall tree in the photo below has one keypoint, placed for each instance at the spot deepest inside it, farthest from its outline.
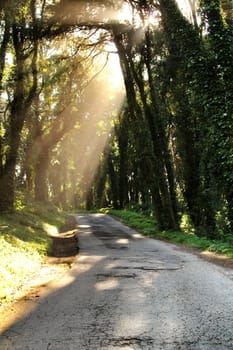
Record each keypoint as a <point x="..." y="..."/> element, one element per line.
<point x="24" y="89"/>
<point x="219" y="111"/>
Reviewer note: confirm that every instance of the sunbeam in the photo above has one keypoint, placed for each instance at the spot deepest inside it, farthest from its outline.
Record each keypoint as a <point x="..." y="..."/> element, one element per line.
<point x="103" y="98"/>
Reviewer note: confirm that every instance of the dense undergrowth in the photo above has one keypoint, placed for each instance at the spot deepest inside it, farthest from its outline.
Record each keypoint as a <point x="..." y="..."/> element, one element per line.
<point x="24" y="242"/>
<point x="147" y="225"/>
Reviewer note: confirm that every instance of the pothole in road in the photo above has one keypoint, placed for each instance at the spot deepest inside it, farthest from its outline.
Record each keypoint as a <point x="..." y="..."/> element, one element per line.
<point x="102" y="276"/>
<point x="145" y="268"/>
<point x="120" y="247"/>
<point x="140" y="342"/>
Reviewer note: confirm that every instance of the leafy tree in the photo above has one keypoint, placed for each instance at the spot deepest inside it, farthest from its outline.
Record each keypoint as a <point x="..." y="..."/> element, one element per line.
<point x="25" y="50"/>
<point x="218" y="109"/>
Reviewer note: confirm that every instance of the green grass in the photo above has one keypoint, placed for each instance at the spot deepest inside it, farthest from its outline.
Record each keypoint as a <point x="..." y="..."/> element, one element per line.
<point x="138" y="221"/>
<point x="24" y="242"/>
<point x="147" y="225"/>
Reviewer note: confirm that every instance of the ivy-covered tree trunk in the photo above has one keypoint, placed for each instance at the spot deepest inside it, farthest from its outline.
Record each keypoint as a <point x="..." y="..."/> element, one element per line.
<point x="219" y="114"/>
<point x="187" y="68"/>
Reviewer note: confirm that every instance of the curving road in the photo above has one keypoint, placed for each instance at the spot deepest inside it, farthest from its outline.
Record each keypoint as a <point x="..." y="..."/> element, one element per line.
<point x="128" y="292"/>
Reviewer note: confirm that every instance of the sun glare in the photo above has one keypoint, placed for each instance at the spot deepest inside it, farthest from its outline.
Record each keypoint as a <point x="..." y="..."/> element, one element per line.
<point x="113" y="69"/>
<point x="125" y="14"/>
<point x="187" y="7"/>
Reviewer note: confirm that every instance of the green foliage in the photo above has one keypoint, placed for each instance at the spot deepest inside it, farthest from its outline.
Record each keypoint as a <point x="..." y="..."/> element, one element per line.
<point x="144" y="224"/>
<point x="147" y="225"/>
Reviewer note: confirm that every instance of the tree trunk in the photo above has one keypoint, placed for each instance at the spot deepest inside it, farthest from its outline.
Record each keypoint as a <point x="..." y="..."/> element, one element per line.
<point x="41" y="176"/>
<point x="113" y="181"/>
<point x="122" y="136"/>
<point x="7" y="189"/>
<point x="137" y="113"/>
<point x="19" y="108"/>
<point x="7" y="174"/>
<point x="3" y="48"/>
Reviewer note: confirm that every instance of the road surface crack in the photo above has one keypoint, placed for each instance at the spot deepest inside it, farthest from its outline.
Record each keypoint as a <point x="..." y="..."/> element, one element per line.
<point x="143" y="342"/>
<point x="145" y="268"/>
<point x="116" y="275"/>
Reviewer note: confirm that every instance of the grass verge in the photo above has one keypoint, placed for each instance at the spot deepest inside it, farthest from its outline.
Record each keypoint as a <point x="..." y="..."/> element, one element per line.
<point x="24" y="243"/>
<point x="147" y="225"/>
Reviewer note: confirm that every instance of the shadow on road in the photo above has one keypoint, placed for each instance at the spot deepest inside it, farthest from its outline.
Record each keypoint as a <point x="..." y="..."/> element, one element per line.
<point x="125" y="292"/>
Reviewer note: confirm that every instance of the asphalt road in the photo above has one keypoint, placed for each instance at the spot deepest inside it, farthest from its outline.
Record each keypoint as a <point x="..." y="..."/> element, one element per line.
<point x="128" y="292"/>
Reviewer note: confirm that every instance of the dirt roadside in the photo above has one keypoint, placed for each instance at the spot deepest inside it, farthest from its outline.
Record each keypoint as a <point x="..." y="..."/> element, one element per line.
<point x="52" y="268"/>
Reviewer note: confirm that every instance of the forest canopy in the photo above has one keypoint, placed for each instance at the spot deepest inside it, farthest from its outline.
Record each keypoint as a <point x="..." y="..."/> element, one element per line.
<point x="126" y="104"/>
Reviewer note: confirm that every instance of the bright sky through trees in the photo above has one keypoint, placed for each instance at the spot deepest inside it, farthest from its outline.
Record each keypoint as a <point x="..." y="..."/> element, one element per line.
<point x="187" y="7"/>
